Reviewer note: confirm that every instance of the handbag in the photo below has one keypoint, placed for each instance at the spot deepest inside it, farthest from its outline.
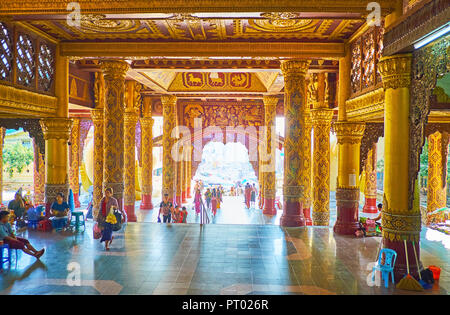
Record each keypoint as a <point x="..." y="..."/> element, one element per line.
<point x="97" y="232"/>
<point x="116" y="227"/>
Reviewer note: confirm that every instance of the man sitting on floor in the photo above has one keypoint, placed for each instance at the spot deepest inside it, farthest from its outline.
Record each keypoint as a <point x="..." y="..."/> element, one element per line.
<point x="8" y="237"/>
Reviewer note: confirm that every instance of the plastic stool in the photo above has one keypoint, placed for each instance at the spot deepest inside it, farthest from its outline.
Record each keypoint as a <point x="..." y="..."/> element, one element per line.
<point x="79" y="220"/>
<point x="7" y="258"/>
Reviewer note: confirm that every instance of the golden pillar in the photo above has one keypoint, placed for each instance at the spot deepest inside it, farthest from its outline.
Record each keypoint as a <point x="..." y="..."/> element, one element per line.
<point x="261" y="184"/>
<point x="113" y="135"/>
<point x="349" y="137"/>
<point x="321" y="165"/>
<point x="56" y="134"/>
<point x="370" y="187"/>
<point x="399" y="222"/>
<point x="39" y="176"/>
<point x="97" y="119"/>
<point x="169" y="103"/>
<point x="147" y="155"/>
<point x="295" y="158"/>
<point x="306" y="170"/>
<point x="268" y="165"/>
<point x="130" y="120"/>
<point x="74" y="175"/>
<point x="437" y="174"/>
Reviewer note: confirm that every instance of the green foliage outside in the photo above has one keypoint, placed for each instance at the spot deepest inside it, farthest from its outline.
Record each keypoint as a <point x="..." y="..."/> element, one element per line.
<point x="16" y="158"/>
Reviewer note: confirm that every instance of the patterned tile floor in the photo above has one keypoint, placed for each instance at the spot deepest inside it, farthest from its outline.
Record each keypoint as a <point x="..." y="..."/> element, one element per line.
<point x="149" y="258"/>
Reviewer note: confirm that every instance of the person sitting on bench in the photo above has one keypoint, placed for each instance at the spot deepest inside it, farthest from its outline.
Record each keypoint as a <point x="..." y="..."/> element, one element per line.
<point x="14" y="242"/>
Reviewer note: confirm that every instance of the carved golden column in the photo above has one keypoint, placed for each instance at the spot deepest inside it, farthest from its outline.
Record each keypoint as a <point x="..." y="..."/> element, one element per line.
<point x="321" y="165"/>
<point x="131" y="117"/>
<point x="97" y="119"/>
<point x="97" y="116"/>
<point x="147" y="155"/>
<point x="321" y="117"/>
<point x="39" y="176"/>
<point x="261" y="184"/>
<point x="56" y="134"/>
<point x="399" y="222"/>
<point x="169" y="103"/>
<point x="269" y="165"/>
<point x="370" y="189"/>
<point x="306" y="170"/>
<point x="113" y="141"/>
<point x="295" y="158"/>
<point x="437" y="174"/>
<point x="74" y="176"/>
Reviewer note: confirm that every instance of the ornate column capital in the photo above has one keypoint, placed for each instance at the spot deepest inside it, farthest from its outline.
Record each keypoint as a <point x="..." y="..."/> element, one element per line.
<point x="97" y="115"/>
<point x="396" y="71"/>
<point x="168" y="100"/>
<point x="114" y="69"/>
<point x="349" y="132"/>
<point x="295" y="67"/>
<point x="322" y="116"/>
<point x="147" y="122"/>
<point x="270" y="101"/>
<point x="130" y="118"/>
<point x="56" y="128"/>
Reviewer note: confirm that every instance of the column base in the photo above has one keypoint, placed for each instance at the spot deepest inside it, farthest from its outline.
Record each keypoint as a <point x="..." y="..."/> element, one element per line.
<point x="347" y="201"/>
<point x="269" y="207"/>
<point x="370" y="205"/>
<point x="400" y="268"/>
<point x="347" y="222"/>
<point x="321" y="218"/>
<point x="129" y="210"/>
<point x="292" y="214"/>
<point x="146" y="202"/>
<point x="188" y="193"/>
<point x="307" y="215"/>
<point x="76" y="200"/>
<point x="183" y="197"/>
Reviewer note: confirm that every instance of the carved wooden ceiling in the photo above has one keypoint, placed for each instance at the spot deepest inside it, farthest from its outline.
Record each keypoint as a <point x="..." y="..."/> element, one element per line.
<point x="97" y="27"/>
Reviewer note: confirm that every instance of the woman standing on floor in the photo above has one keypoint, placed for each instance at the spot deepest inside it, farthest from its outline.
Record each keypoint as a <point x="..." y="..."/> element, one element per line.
<point x="107" y="204"/>
<point x="197" y="201"/>
<point x="214" y="202"/>
<point x="219" y="197"/>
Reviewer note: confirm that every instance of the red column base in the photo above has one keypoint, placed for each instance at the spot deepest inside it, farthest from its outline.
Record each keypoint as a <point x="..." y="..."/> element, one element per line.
<point x="189" y="196"/>
<point x="370" y="205"/>
<point x="347" y="221"/>
<point x="76" y="200"/>
<point x="292" y="214"/>
<point x="307" y="215"/>
<point x="183" y="197"/>
<point x="146" y="202"/>
<point x="269" y="207"/>
<point x="400" y="268"/>
<point x="178" y="200"/>
<point x="129" y="210"/>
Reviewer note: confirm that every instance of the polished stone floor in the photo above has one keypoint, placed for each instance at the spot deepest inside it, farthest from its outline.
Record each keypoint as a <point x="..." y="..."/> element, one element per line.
<point x="149" y="258"/>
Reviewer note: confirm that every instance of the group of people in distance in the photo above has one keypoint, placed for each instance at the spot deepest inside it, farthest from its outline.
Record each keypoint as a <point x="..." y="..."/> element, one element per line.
<point x="250" y="193"/>
<point x="213" y="198"/>
<point x="171" y="213"/>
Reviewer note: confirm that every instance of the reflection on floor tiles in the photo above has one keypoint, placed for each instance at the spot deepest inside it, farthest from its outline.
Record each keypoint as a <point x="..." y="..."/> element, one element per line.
<point x="149" y="258"/>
